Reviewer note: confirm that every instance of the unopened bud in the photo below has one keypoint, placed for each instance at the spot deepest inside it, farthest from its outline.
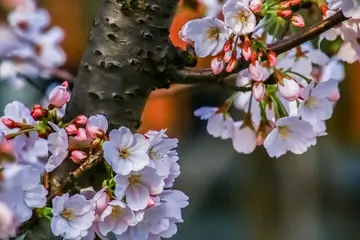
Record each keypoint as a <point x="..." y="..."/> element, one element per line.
<point x="8" y="122"/>
<point x="80" y="120"/>
<point x="297" y="20"/>
<point x="38" y="112"/>
<point x="228" y="45"/>
<point x="78" y="156"/>
<point x="217" y="65"/>
<point x="256" y="6"/>
<point x="232" y="65"/>
<point x="71" y="129"/>
<point x="272" y="58"/>
<point x="258" y="91"/>
<point x="284" y="13"/>
<point x="60" y="95"/>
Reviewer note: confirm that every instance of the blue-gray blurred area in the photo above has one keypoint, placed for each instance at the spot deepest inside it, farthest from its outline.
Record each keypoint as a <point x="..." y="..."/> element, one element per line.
<point x="314" y="196"/>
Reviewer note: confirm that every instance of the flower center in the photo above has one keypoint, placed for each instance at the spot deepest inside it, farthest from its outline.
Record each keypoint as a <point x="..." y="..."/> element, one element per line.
<point x="116" y="211"/>
<point x="134" y="180"/>
<point x="213" y="33"/>
<point x="155" y="154"/>
<point x="242" y="17"/>
<point x="68" y="214"/>
<point x="283" y="132"/>
<point x="124" y="153"/>
<point x="311" y="102"/>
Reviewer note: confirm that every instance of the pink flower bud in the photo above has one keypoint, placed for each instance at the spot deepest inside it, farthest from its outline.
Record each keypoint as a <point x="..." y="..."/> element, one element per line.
<point x="80" y="120"/>
<point x="78" y="156"/>
<point x="297" y="20"/>
<point x="38" y="112"/>
<point x="272" y="58"/>
<point x="60" y="95"/>
<point x="228" y="45"/>
<point x="284" y="13"/>
<point x="258" y="91"/>
<point x="256" y="6"/>
<point x="289" y="88"/>
<point x="8" y="122"/>
<point x="217" y="65"/>
<point x="81" y="135"/>
<point x="232" y="65"/>
<point x="246" y="50"/>
<point x="256" y="71"/>
<point x="71" y="129"/>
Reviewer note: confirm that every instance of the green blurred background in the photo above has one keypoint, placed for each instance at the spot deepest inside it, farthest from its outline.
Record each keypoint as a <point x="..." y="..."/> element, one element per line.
<point x="314" y="196"/>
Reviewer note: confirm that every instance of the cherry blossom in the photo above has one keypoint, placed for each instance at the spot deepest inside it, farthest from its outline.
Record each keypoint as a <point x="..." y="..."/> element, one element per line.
<point x="72" y="216"/>
<point x="126" y="152"/>
<point x="116" y="218"/>
<point x="138" y="186"/>
<point x="239" y="17"/>
<point x="22" y="191"/>
<point x="290" y="134"/>
<point x="58" y="146"/>
<point x="209" y="35"/>
<point x="160" y="145"/>
<point x="219" y="124"/>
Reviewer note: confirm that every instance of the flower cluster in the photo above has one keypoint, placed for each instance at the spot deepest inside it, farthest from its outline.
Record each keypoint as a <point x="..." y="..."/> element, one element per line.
<point x="289" y="96"/>
<point x="29" y="47"/>
<point x="136" y="201"/>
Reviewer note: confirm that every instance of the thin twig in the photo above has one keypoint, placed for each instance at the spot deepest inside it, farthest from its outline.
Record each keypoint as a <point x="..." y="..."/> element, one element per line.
<point x="194" y="76"/>
<point x="69" y="181"/>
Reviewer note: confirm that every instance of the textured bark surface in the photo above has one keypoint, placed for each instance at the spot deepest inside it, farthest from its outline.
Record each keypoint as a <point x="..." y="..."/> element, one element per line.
<point x="127" y="56"/>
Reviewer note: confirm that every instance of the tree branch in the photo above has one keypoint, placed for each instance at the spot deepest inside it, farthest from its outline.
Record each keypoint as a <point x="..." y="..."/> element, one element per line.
<point x="69" y="181"/>
<point x="198" y="76"/>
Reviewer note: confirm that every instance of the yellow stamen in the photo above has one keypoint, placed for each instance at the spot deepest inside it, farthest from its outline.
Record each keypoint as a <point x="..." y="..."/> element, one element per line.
<point x="124" y="153"/>
<point x="213" y="33"/>
<point x="283" y="132"/>
<point x="68" y="214"/>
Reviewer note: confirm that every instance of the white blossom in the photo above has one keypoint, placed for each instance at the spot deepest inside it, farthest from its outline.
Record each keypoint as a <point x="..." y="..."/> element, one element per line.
<point x="138" y="186"/>
<point x="126" y="152"/>
<point x="208" y="34"/>
<point x="116" y="218"/>
<point x="58" y="146"/>
<point x="160" y="145"/>
<point x="290" y="134"/>
<point x="23" y="191"/>
<point x="239" y="17"/>
<point x="219" y="124"/>
<point x="72" y="216"/>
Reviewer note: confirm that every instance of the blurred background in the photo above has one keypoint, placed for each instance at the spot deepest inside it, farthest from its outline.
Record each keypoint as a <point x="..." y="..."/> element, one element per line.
<point x="312" y="196"/>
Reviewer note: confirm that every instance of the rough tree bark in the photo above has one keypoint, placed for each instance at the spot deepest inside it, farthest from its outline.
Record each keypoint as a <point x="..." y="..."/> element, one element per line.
<point x="127" y="56"/>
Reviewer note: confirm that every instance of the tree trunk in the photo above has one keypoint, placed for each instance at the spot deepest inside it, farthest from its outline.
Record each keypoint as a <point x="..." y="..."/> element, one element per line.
<point x="126" y="57"/>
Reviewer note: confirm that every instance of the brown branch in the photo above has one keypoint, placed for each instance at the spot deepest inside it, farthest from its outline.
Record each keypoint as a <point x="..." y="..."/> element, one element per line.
<point x="69" y="181"/>
<point x="199" y="76"/>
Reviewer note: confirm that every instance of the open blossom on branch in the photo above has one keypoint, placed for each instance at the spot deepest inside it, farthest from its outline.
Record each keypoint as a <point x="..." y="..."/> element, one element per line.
<point x="72" y="216"/>
<point x="209" y="35"/>
<point x="126" y="152"/>
<point x="22" y="191"/>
